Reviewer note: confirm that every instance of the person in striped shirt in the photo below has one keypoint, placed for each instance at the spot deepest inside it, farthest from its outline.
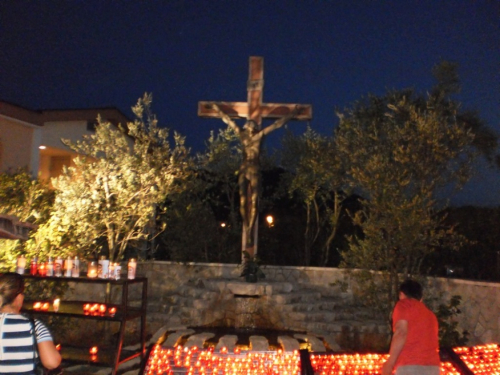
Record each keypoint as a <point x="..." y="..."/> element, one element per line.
<point x="16" y="337"/>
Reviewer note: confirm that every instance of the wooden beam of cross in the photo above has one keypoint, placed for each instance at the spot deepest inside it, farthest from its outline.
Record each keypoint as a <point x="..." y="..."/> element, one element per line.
<point x="251" y="137"/>
<point x="253" y="108"/>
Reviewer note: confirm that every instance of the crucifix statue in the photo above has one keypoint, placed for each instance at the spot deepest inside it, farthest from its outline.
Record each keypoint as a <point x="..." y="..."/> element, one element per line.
<point x="251" y="137"/>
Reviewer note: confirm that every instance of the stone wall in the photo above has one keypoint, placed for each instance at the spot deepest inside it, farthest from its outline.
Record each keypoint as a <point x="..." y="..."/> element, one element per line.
<point x="309" y="299"/>
<point x="480" y="307"/>
<point x="299" y="299"/>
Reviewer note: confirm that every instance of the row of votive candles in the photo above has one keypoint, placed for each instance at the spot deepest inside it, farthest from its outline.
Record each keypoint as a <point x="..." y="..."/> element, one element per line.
<point x="104" y="269"/>
<point x="481" y="359"/>
<point x="58" y="267"/>
<point x="44" y="306"/>
<point x="71" y="268"/>
<point x="88" y="308"/>
<point x="98" y="309"/>
<point x="204" y="361"/>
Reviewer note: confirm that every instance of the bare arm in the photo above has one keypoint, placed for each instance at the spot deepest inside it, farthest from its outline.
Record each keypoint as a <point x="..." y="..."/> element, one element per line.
<point x="397" y="344"/>
<point x="49" y="355"/>
<point x="282" y="121"/>
<point x="226" y="118"/>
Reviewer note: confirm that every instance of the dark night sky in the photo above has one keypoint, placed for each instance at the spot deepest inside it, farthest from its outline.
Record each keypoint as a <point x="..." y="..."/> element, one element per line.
<point x="97" y="53"/>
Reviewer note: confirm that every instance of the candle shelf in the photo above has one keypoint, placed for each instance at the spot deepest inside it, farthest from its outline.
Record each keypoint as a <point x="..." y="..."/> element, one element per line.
<point x="125" y="312"/>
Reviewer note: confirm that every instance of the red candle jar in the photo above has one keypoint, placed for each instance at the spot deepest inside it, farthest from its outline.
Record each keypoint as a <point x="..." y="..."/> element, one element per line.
<point x="42" y="269"/>
<point x="33" y="266"/>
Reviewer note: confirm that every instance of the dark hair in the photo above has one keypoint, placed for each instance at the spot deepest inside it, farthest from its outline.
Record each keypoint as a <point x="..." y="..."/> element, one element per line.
<point x="11" y="285"/>
<point x="412" y="289"/>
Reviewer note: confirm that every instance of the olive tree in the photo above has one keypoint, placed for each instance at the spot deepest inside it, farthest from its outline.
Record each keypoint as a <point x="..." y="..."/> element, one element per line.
<point x="399" y="150"/>
<point x="114" y="191"/>
<point x="29" y="200"/>
<point x="315" y="175"/>
<point x="204" y="217"/>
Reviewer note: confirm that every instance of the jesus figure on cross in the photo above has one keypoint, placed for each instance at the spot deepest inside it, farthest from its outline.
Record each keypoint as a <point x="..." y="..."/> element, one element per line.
<point x="249" y="174"/>
<point x="251" y="136"/>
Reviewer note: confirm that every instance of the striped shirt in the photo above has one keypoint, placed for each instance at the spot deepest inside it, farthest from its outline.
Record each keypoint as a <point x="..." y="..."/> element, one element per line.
<point x="16" y="343"/>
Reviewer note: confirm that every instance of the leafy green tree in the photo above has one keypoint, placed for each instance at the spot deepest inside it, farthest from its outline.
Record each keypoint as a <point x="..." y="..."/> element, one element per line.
<point x="450" y="334"/>
<point x="478" y="258"/>
<point x="27" y="199"/>
<point x="194" y="232"/>
<point x="218" y="169"/>
<point x="24" y="197"/>
<point x="204" y="219"/>
<point x="316" y="176"/>
<point x="116" y="187"/>
<point x="399" y="151"/>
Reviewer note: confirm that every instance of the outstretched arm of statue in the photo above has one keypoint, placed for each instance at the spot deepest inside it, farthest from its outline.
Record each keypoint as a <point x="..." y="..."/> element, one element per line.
<point x="226" y="118"/>
<point x="282" y="121"/>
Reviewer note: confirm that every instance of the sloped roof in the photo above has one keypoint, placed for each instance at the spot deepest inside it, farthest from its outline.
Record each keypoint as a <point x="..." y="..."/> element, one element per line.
<point x="41" y="116"/>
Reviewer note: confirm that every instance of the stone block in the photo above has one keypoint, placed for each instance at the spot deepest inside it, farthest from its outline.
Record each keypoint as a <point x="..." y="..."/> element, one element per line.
<point x="246" y="289"/>
<point x="198" y="340"/>
<point x="259" y="343"/>
<point x="289" y="344"/>
<point x="279" y="299"/>
<point x="331" y="343"/>
<point x="227" y="341"/>
<point x="159" y="334"/>
<point x="200" y="304"/>
<point x="315" y="344"/>
<point x="479" y="330"/>
<point x="174" y="338"/>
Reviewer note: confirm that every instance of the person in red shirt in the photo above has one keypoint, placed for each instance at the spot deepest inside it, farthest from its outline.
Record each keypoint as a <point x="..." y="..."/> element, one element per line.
<point x="415" y="344"/>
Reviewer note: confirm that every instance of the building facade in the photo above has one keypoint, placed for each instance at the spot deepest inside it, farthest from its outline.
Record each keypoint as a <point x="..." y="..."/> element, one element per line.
<point x="31" y="139"/>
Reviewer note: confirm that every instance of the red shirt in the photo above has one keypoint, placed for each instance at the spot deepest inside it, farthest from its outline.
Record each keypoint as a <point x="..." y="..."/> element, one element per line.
<point x="422" y="343"/>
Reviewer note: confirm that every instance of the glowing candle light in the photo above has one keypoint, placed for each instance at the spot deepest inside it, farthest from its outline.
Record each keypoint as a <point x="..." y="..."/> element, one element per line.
<point x="42" y="269"/>
<point x="93" y="350"/>
<point x="102" y="309"/>
<point x="21" y="265"/>
<point x="56" y="304"/>
<point x="86" y="308"/>
<point x="92" y="270"/>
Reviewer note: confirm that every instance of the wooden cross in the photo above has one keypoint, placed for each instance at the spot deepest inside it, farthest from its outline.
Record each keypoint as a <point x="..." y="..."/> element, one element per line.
<point x="254" y="111"/>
